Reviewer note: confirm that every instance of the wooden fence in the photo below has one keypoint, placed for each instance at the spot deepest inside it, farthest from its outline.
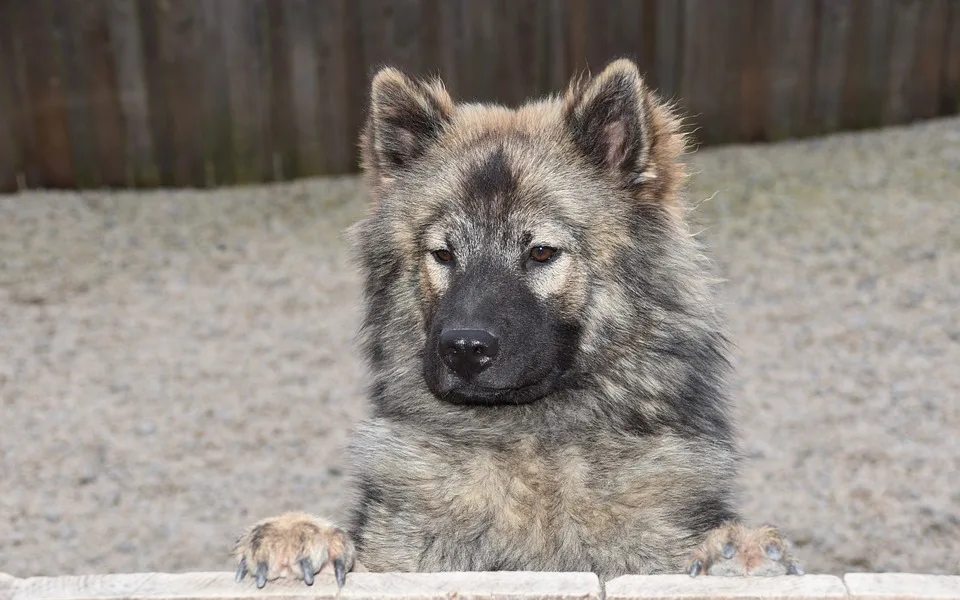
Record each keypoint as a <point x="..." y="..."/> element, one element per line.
<point x="205" y="92"/>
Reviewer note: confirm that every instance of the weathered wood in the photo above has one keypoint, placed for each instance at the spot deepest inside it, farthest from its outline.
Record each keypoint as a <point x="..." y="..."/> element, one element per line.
<point x="360" y="586"/>
<point x="833" y="30"/>
<point x="10" y="159"/>
<point x="23" y="149"/>
<point x="34" y="43"/>
<point x="711" y="83"/>
<point x="902" y="586"/>
<point x="926" y="75"/>
<point x="178" y="92"/>
<point x="93" y="99"/>
<point x="669" y="60"/>
<point x="93" y="45"/>
<point x="791" y="59"/>
<point x="867" y="64"/>
<point x="950" y="86"/>
<point x="248" y="80"/>
<point x="214" y="89"/>
<point x="673" y="587"/>
<point x="904" y="39"/>
<point x="301" y="21"/>
<point x="182" y="48"/>
<point x="127" y="50"/>
<point x="755" y="41"/>
<point x="501" y="585"/>
<point x="154" y="68"/>
<point x="72" y="72"/>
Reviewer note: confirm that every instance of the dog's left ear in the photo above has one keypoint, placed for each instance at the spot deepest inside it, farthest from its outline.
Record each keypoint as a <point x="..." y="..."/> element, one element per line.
<point x="609" y="118"/>
<point x="406" y="116"/>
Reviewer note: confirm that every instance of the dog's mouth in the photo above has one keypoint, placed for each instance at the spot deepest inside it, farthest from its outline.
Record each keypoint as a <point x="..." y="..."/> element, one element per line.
<point x="477" y="395"/>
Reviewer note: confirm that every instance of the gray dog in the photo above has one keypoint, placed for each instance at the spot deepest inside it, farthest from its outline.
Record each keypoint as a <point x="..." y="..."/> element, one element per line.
<point x="547" y="356"/>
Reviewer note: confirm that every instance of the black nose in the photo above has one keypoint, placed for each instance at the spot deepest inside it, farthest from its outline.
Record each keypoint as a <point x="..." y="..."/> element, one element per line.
<point x="468" y="351"/>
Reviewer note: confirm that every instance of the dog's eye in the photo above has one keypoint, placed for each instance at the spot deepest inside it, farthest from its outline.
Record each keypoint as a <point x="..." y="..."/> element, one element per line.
<point x="443" y="256"/>
<point x="542" y="253"/>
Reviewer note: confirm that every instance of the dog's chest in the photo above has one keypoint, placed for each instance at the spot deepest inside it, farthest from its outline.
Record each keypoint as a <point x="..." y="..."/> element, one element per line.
<point x="524" y="492"/>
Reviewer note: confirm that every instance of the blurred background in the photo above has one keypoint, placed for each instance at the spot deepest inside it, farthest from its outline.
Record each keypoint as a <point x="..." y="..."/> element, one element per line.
<point x="178" y="307"/>
<point x="192" y="93"/>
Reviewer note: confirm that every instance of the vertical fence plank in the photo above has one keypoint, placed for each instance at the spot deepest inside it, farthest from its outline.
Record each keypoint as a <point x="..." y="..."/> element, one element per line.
<point x="508" y="71"/>
<point x="336" y="134"/>
<point x="477" y="62"/>
<point x="582" y="47"/>
<point x="451" y="42"/>
<point x="647" y="47"/>
<point x="35" y="42"/>
<point x="600" y="32"/>
<point x="460" y="36"/>
<point x="835" y="17"/>
<point x="924" y="91"/>
<point x="303" y="18"/>
<point x="269" y="156"/>
<point x="88" y="72"/>
<point x="903" y="47"/>
<point x="284" y="117"/>
<point x="161" y="117"/>
<point x="126" y="46"/>
<point x="560" y="66"/>
<point x="357" y="73"/>
<point x="519" y="64"/>
<point x="867" y="64"/>
<point x="792" y="25"/>
<point x="247" y="78"/>
<point x="101" y="89"/>
<point x="669" y="60"/>
<point x="711" y="82"/>
<point x="754" y="67"/>
<point x="68" y="19"/>
<point x="389" y="34"/>
<point x="20" y="123"/>
<point x="214" y="90"/>
<point x="950" y="86"/>
<point x="179" y="29"/>
<point x="10" y="157"/>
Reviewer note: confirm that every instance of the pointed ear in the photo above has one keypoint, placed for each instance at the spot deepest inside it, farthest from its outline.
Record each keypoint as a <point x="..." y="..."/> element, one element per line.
<point x="609" y="118"/>
<point x="405" y="118"/>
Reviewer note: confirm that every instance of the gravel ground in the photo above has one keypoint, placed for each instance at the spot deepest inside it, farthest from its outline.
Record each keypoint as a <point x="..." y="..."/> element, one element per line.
<point x="176" y="364"/>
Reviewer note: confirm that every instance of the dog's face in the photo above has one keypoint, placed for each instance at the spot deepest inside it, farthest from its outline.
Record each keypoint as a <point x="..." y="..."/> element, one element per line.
<point x="500" y="281"/>
<point x="495" y="230"/>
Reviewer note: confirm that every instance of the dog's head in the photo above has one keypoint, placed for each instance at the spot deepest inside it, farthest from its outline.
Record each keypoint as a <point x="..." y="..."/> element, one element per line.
<point x="505" y="247"/>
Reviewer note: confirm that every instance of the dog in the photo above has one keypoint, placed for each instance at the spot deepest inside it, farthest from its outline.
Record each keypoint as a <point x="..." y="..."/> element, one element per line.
<point x="548" y="360"/>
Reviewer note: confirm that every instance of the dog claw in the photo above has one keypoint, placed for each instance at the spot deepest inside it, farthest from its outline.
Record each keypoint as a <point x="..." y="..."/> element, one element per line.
<point x="340" y="571"/>
<point x="774" y="552"/>
<point x="241" y="570"/>
<point x="729" y="550"/>
<point x="307" y="567"/>
<point x="794" y="569"/>
<point x="696" y="568"/>
<point x="261" y="575"/>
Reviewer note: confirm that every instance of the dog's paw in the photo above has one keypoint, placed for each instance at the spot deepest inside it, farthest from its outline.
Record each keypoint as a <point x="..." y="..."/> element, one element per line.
<point x="294" y="545"/>
<point x="734" y="550"/>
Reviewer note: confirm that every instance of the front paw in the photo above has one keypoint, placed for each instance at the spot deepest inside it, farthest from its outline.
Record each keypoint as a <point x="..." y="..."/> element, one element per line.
<point x="295" y="545"/>
<point x="734" y="550"/>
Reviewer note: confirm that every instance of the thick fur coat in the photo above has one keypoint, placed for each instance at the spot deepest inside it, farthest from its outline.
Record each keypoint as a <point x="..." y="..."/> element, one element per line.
<point x="546" y="354"/>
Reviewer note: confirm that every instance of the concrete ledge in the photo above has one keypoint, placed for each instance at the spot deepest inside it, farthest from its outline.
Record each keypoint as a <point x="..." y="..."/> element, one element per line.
<point x="482" y="586"/>
<point x="360" y="586"/>
<point x="876" y="586"/>
<point x="663" y="587"/>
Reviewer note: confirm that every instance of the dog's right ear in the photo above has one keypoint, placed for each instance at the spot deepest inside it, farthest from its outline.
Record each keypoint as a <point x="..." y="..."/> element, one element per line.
<point x="405" y="118"/>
